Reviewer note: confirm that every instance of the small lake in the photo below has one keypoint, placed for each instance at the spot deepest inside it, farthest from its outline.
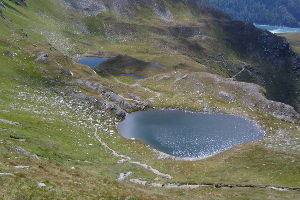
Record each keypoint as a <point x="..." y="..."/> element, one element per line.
<point x="91" y="61"/>
<point x="134" y="76"/>
<point x="189" y="134"/>
<point x="278" y="29"/>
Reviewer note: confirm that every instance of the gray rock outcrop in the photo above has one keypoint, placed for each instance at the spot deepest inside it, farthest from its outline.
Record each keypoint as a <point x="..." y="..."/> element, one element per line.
<point x="42" y="57"/>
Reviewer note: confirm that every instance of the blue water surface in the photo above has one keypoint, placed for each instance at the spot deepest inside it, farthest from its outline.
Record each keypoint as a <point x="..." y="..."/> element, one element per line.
<point x="189" y="134"/>
<point x="278" y="29"/>
<point x="134" y="76"/>
<point x="91" y="61"/>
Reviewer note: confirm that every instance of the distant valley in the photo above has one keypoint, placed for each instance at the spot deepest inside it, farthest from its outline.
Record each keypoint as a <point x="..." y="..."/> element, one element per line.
<point x="269" y="12"/>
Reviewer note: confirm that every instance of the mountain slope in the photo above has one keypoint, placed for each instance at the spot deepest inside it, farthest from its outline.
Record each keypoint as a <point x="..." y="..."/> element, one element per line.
<point x="278" y="12"/>
<point x="129" y="8"/>
<point x="58" y="118"/>
<point x="198" y="31"/>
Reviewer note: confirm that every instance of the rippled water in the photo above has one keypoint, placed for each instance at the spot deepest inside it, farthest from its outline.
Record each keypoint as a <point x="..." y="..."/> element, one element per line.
<point x="91" y="61"/>
<point x="188" y="134"/>
<point x="278" y="29"/>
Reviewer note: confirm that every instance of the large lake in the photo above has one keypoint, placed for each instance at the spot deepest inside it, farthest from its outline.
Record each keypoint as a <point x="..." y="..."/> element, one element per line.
<point x="278" y="29"/>
<point x="189" y="134"/>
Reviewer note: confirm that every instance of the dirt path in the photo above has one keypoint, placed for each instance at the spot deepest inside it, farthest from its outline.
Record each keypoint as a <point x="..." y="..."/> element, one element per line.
<point x="128" y="159"/>
<point x="177" y="186"/>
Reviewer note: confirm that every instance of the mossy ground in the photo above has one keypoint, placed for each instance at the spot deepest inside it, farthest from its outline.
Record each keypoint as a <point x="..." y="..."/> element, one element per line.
<point x="60" y="130"/>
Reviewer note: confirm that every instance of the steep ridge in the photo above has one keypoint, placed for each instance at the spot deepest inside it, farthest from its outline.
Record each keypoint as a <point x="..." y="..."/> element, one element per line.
<point x="278" y="67"/>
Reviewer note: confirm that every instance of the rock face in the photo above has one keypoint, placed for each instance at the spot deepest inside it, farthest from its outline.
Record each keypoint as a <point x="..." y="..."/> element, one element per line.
<point x="128" y="8"/>
<point x="42" y="57"/>
<point x="107" y="99"/>
<point x="272" y="12"/>
<point x="261" y="44"/>
<point x="278" y="67"/>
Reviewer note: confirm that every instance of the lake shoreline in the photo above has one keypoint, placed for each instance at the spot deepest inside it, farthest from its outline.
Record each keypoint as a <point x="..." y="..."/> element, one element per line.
<point x="278" y="29"/>
<point x="236" y="126"/>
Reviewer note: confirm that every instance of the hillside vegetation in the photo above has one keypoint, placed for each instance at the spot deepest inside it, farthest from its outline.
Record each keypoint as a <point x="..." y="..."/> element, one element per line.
<point x="271" y="12"/>
<point x="58" y="136"/>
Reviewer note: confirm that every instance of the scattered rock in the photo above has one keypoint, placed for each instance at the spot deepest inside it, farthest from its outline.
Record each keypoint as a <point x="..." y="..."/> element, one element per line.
<point x="17" y="138"/>
<point x="9" y="122"/>
<point x="42" y="57"/>
<point x="226" y="96"/>
<point x="21" y="167"/>
<point x="181" y="78"/>
<point x="114" y="97"/>
<point x="119" y="112"/>
<point x="122" y="161"/>
<point x="156" y="185"/>
<point x="75" y="55"/>
<point x="137" y="181"/>
<point x="126" y="105"/>
<point x="35" y="157"/>
<point x="24" y="153"/>
<point x="8" y="53"/>
<point x="42" y="185"/>
<point x="6" y="174"/>
<point x="123" y="176"/>
<point x="91" y="85"/>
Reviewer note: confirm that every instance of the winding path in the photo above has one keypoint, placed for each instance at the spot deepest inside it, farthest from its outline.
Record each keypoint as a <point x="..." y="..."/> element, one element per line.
<point x="128" y="159"/>
<point x="178" y="186"/>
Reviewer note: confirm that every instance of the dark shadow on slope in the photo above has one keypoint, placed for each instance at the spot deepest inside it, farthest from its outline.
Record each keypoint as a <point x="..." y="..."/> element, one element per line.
<point x="278" y="67"/>
<point x="124" y="64"/>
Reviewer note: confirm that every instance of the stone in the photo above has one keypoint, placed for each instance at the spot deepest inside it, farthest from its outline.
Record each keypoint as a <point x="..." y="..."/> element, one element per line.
<point x="42" y="57"/>
<point x="42" y="185"/>
<point x="21" y="167"/>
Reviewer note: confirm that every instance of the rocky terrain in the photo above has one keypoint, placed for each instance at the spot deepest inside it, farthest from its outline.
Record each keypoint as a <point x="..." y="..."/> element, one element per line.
<point x="58" y="118"/>
<point x="129" y="8"/>
<point x="275" y="12"/>
<point x="262" y="52"/>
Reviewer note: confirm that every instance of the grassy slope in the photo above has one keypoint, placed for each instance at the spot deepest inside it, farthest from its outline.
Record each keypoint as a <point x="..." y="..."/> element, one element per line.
<point x="294" y="39"/>
<point x="60" y="131"/>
